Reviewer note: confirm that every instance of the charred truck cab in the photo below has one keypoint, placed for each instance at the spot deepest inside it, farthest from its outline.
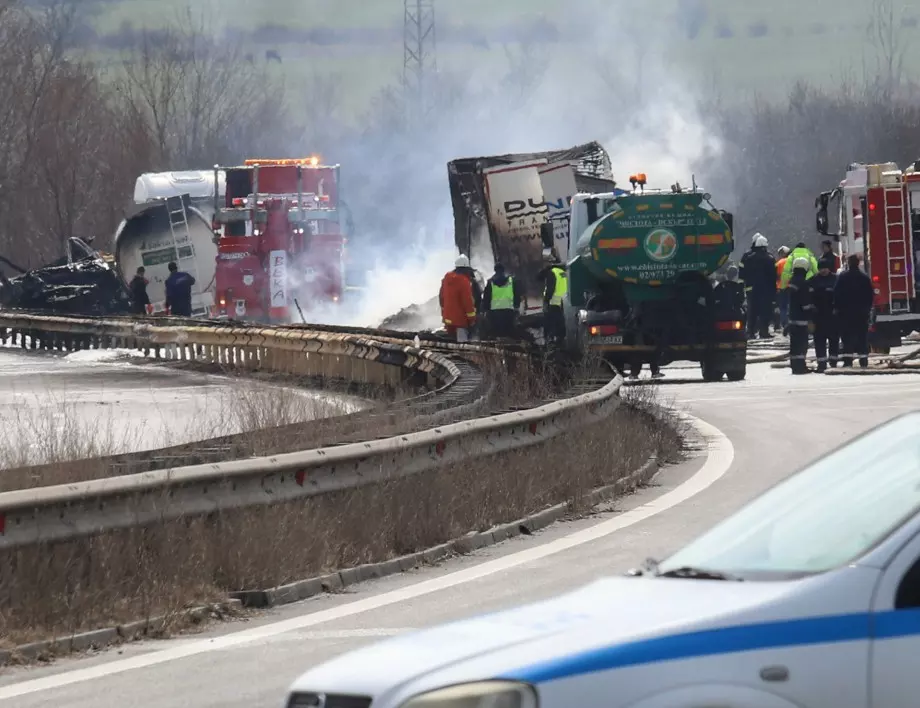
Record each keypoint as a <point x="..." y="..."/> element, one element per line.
<point x="878" y="218"/>
<point x="639" y="282"/>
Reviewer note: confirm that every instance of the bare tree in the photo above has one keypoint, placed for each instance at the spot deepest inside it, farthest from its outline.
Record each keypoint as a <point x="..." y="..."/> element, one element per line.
<point x="73" y="157"/>
<point x="321" y="113"/>
<point x="887" y="37"/>
<point x="32" y="56"/>
<point x="200" y="98"/>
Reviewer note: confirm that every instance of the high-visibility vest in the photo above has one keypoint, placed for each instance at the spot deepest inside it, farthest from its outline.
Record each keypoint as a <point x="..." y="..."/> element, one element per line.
<point x="780" y="266"/>
<point x="503" y="296"/>
<point x="562" y="287"/>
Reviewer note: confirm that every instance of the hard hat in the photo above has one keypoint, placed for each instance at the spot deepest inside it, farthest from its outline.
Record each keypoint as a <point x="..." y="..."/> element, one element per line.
<point x="462" y="262"/>
<point x="760" y="241"/>
<point x="801" y="263"/>
<point x="783" y="250"/>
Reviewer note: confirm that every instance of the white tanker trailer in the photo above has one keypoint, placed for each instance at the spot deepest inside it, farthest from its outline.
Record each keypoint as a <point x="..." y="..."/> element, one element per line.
<point x="151" y="236"/>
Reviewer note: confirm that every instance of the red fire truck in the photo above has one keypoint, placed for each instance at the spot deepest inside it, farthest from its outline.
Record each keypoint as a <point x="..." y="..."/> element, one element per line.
<point x="280" y="243"/>
<point x="878" y="213"/>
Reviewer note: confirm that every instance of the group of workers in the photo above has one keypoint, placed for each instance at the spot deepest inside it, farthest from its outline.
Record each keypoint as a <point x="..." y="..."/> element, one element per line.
<point x="178" y="292"/>
<point x="810" y="297"/>
<point x="466" y="307"/>
<point x="800" y="293"/>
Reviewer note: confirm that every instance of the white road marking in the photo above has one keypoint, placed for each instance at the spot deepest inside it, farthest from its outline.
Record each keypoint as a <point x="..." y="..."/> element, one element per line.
<point x="782" y="396"/>
<point x="351" y="633"/>
<point x="721" y="453"/>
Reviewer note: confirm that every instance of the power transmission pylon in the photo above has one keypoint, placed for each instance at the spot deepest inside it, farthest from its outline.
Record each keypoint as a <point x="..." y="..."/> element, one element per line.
<point x="420" y="61"/>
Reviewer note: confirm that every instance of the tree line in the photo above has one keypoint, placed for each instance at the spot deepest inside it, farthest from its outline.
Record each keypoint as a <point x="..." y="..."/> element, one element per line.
<point x="75" y="135"/>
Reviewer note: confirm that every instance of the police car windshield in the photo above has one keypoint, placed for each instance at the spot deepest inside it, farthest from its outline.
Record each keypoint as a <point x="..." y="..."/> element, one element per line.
<point x="828" y="515"/>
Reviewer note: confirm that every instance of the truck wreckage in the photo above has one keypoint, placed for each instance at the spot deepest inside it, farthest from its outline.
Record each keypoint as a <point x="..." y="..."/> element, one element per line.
<point x="85" y="282"/>
<point x="509" y="208"/>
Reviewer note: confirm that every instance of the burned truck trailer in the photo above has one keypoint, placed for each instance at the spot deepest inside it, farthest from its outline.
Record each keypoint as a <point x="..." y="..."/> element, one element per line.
<point x="503" y="204"/>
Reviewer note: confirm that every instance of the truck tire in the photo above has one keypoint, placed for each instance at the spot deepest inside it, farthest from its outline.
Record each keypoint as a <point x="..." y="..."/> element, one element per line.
<point x="736" y="374"/>
<point x="711" y="374"/>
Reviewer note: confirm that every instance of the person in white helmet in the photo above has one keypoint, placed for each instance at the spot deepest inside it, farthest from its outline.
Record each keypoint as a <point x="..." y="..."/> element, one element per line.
<point x="458" y="305"/>
<point x="801" y="312"/>
<point x="758" y="270"/>
<point x="781" y="318"/>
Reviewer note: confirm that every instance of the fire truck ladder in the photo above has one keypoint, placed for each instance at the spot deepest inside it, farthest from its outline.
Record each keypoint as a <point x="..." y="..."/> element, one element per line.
<point x="896" y="242"/>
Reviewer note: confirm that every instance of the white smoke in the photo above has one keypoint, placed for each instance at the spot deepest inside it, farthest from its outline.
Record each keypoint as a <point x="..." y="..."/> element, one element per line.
<point x="393" y="286"/>
<point x="614" y="83"/>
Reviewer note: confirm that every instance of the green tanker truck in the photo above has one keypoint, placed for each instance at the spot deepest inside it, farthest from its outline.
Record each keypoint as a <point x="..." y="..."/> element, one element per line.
<point x="639" y="287"/>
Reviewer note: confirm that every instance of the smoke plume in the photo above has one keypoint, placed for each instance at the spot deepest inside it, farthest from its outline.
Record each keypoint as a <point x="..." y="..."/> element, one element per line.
<point x="608" y="79"/>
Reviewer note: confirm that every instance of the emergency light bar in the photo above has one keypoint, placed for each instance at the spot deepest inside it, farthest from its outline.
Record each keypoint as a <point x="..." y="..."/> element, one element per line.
<point x="305" y="161"/>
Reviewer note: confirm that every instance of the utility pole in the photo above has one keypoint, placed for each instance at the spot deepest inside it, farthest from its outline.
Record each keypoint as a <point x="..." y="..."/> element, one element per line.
<point x="420" y="62"/>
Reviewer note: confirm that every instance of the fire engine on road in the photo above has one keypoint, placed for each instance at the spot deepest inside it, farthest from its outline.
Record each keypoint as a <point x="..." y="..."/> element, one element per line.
<point x="878" y="213"/>
<point x="279" y="239"/>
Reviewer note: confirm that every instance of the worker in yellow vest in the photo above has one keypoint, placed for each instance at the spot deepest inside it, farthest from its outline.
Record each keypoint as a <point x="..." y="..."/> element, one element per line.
<point x="501" y="302"/>
<point x="555" y="288"/>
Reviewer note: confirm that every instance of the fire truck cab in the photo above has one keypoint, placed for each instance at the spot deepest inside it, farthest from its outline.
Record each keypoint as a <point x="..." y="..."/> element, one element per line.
<point x="878" y="215"/>
<point x="279" y="240"/>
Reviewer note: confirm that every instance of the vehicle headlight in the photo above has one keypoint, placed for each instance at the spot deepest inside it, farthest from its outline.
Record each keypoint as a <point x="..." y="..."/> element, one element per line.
<point x="487" y="694"/>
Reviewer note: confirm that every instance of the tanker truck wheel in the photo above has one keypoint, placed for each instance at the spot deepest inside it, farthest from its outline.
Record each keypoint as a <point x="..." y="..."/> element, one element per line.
<point x="737" y="374"/>
<point x="711" y="374"/>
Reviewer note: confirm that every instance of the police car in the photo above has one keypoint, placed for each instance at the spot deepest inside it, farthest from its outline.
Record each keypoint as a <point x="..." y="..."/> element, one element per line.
<point x="809" y="596"/>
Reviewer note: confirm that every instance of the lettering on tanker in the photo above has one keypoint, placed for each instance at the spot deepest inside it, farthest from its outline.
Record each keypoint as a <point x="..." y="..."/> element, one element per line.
<point x="655" y="220"/>
<point x="657" y="271"/>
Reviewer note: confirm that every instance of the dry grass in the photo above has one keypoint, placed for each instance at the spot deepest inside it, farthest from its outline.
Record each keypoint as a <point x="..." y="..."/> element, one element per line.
<point x="49" y="438"/>
<point x="58" y="589"/>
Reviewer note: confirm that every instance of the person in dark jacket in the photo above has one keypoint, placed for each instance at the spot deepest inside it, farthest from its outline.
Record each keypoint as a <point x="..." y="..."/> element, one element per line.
<point x="139" y="297"/>
<point x="179" y="292"/>
<point x="745" y="259"/>
<point x="729" y="296"/>
<point x="801" y="311"/>
<point x="853" y="298"/>
<point x="758" y="271"/>
<point x="501" y="302"/>
<point x="827" y="339"/>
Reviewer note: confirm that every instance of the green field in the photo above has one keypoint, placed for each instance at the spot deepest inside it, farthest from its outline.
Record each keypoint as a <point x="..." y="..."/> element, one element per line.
<point x="771" y="44"/>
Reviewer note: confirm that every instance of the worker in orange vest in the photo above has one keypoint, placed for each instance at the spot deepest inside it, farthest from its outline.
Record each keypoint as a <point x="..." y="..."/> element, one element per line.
<point x="458" y="305"/>
<point x="781" y="321"/>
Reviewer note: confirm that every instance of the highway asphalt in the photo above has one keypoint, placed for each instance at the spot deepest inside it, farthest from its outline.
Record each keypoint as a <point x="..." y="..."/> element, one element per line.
<point x="757" y="432"/>
<point x="49" y="399"/>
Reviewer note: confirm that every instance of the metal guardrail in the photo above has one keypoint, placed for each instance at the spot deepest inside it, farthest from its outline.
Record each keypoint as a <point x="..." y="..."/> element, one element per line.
<point x="70" y="511"/>
<point x="353" y="357"/>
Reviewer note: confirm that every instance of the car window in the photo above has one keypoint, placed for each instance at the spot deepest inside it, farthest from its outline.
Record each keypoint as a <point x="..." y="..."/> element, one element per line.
<point x="827" y="515"/>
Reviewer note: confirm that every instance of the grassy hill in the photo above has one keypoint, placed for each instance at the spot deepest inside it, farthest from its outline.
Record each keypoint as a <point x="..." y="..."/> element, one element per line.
<point x="741" y="46"/>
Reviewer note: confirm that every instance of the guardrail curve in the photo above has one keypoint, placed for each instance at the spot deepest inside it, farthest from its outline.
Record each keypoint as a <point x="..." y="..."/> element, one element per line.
<point x="56" y="513"/>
